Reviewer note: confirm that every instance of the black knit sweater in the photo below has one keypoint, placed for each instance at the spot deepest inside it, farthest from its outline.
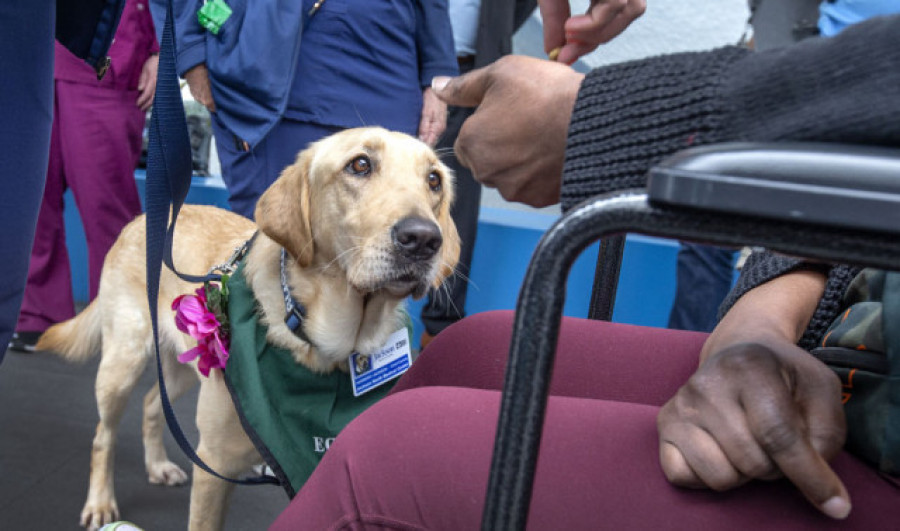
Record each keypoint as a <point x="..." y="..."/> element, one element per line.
<point x="630" y="116"/>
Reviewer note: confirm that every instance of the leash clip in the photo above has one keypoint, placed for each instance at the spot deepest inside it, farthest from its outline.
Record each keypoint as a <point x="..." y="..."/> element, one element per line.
<point x="237" y="255"/>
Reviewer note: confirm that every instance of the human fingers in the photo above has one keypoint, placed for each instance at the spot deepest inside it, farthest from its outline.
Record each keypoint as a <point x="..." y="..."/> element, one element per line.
<point x="691" y="457"/>
<point x="554" y="14"/>
<point x="205" y="98"/>
<point x="780" y="430"/>
<point x="144" y="96"/>
<point x="503" y="156"/>
<point x="433" y="121"/>
<point x="500" y="142"/>
<point x="198" y="82"/>
<point x="818" y="393"/>
<point x="466" y="90"/>
<point x="582" y="42"/>
<point x="145" y="99"/>
<point x="707" y="406"/>
<point x="428" y="132"/>
<point x="604" y="20"/>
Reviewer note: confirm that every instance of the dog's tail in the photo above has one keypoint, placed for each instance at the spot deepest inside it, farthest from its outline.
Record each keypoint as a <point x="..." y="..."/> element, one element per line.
<point x="75" y="340"/>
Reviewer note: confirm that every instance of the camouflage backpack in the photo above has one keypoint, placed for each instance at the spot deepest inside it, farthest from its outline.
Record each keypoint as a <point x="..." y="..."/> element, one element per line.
<point x="862" y="346"/>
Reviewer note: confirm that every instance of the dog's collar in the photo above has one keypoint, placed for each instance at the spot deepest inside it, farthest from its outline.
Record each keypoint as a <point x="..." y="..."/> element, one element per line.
<point x="294" y="309"/>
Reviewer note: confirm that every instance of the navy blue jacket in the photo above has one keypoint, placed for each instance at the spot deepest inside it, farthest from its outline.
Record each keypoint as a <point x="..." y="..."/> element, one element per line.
<point x="360" y="62"/>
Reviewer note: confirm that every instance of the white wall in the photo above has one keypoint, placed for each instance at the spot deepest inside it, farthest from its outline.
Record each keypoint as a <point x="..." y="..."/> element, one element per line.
<point x="667" y="26"/>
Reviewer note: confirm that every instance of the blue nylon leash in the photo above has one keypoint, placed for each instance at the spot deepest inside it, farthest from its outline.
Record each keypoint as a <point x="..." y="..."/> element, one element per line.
<point x="169" y="173"/>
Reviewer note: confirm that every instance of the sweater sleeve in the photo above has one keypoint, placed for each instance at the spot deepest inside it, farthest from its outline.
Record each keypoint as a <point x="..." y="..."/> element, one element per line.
<point x="764" y="266"/>
<point x="627" y="117"/>
<point x="630" y="116"/>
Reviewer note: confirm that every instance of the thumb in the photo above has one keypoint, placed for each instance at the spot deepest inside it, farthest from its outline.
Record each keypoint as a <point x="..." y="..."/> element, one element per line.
<point x="463" y="91"/>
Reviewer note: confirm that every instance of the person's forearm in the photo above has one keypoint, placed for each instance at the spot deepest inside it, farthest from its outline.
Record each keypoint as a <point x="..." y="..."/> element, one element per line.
<point x="778" y="310"/>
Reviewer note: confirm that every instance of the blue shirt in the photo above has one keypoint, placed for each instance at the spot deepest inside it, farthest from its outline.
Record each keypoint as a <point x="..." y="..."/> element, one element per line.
<point x="836" y="15"/>
<point x="263" y="65"/>
<point x="464" y="16"/>
<point x="366" y="63"/>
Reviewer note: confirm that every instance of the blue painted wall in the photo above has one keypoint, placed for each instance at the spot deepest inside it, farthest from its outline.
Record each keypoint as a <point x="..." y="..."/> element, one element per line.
<point x="506" y="241"/>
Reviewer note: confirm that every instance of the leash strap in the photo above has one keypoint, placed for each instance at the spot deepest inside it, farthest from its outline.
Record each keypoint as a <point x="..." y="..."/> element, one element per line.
<point x="168" y="180"/>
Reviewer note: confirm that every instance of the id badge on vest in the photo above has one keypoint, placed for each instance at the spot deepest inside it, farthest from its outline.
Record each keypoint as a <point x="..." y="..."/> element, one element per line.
<point x="383" y="365"/>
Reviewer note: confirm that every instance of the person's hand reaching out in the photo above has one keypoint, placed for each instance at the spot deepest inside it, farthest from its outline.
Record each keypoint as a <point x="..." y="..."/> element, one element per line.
<point x="575" y="36"/>
<point x="516" y="139"/>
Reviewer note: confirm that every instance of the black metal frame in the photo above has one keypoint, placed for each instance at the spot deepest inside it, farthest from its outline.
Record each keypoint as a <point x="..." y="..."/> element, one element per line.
<point x="540" y="304"/>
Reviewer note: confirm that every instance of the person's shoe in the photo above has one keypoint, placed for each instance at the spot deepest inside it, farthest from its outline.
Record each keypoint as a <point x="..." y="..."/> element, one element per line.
<point x="24" y="341"/>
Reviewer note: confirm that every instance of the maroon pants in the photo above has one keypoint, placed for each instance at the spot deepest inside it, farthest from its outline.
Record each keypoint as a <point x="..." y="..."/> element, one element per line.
<point x="94" y="148"/>
<point x="420" y="458"/>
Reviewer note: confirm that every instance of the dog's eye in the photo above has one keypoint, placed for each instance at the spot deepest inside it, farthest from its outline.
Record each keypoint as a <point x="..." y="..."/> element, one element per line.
<point x="360" y="166"/>
<point x="434" y="181"/>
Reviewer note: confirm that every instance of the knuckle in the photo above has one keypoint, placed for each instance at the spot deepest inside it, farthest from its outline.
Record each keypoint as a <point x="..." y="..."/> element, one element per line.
<point x="637" y="7"/>
<point x="776" y="436"/>
<point x="756" y="468"/>
<point x="828" y="440"/>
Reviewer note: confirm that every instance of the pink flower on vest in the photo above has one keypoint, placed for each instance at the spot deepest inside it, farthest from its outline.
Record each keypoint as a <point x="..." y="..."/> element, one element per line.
<point x="193" y="317"/>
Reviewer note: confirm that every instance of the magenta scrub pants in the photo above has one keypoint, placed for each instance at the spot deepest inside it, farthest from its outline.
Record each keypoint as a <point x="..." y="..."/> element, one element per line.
<point x="420" y="458"/>
<point x="94" y="148"/>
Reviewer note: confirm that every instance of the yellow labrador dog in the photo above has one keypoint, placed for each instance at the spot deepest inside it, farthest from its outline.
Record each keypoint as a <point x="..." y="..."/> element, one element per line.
<point x="365" y="216"/>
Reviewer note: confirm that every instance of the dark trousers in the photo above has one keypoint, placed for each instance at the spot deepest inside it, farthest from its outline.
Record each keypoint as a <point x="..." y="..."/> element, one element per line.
<point x="703" y="278"/>
<point x="447" y="304"/>
<point x="419" y="459"/>
<point x="26" y="104"/>
<point x="247" y="174"/>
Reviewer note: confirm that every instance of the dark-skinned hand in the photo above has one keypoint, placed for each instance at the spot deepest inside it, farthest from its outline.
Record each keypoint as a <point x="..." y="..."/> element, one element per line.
<point x="516" y="139"/>
<point x="757" y="411"/>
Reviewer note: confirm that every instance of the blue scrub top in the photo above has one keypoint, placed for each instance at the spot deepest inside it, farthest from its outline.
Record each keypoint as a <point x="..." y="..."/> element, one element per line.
<point x="835" y="15"/>
<point x="366" y="63"/>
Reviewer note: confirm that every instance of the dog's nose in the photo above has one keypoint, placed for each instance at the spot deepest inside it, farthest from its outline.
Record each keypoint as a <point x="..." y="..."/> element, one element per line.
<point x="417" y="238"/>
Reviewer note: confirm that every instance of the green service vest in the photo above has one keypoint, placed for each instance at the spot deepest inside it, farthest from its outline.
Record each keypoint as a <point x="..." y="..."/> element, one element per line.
<point x="290" y="413"/>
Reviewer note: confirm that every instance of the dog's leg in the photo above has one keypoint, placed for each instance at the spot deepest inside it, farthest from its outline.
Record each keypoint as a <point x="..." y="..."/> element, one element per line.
<point x="225" y="447"/>
<point x="160" y="470"/>
<point x="119" y="371"/>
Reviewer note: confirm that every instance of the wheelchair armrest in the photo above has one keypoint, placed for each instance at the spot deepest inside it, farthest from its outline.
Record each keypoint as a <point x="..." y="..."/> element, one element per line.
<point x="834" y="184"/>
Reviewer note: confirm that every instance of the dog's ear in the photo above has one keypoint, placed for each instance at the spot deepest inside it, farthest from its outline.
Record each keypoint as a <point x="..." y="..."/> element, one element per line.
<point x="282" y="213"/>
<point x="450" y="246"/>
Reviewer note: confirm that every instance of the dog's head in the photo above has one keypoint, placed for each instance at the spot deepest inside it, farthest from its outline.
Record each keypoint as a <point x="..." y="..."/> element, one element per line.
<point x="374" y="203"/>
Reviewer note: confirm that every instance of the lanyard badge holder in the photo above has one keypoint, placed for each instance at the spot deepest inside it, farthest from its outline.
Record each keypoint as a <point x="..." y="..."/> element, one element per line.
<point x="213" y="14"/>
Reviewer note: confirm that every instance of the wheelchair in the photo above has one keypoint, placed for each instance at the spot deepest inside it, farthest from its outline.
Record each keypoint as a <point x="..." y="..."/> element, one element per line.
<point x="827" y="202"/>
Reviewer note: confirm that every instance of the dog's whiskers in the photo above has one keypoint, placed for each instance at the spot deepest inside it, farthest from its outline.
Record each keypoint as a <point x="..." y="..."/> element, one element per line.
<point x="353" y="249"/>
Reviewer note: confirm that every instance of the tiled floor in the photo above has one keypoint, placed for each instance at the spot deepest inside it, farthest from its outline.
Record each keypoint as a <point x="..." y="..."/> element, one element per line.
<point x="47" y="421"/>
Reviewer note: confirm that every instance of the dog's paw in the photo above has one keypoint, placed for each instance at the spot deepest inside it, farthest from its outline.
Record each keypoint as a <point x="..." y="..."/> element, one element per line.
<point x="166" y="473"/>
<point x="96" y="515"/>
